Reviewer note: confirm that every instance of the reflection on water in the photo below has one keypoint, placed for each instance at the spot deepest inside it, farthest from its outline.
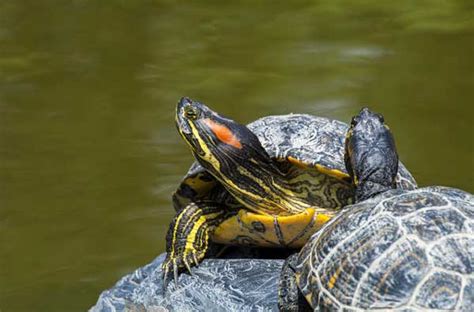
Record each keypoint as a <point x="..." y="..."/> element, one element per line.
<point x="89" y="154"/>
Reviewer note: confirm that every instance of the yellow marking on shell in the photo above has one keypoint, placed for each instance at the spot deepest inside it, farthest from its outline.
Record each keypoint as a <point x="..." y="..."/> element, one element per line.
<point x="297" y="162"/>
<point x="201" y="188"/>
<point x="291" y="226"/>
<point x="338" y="174"/>
<point x="228" y="230"/>
<point x="393" y="267"/>
<point x="322" y="218"/>
<point x="333" y="278"/>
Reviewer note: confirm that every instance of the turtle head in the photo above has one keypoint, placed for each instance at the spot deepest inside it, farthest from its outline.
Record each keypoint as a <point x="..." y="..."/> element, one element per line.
<point x="370" y="155"/>
<point x="226" y="149"/>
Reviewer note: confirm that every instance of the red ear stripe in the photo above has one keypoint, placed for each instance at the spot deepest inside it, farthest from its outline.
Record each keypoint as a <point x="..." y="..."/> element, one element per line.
<point x="223" y="133"/>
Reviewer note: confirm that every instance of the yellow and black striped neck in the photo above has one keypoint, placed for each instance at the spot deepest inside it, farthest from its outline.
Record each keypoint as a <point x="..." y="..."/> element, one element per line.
<point x="260" y="186"/>
<point x="234" y="156"/>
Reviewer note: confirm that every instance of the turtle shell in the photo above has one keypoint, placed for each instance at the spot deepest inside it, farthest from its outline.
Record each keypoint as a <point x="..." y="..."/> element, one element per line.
<point x="295" y="140"/>
<point x="407" y="250"/>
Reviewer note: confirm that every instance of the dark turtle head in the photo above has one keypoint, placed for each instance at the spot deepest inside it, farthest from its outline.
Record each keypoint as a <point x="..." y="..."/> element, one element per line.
<point x="370" y="155"/>
<point x="227" y="150"/>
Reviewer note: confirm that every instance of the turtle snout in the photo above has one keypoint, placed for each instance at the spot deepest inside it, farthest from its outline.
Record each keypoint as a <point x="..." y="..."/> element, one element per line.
<point x="184" y="100"/>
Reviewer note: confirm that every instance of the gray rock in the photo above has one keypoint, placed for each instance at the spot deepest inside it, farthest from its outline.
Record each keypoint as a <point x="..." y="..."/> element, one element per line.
<point x="216" y="285"/>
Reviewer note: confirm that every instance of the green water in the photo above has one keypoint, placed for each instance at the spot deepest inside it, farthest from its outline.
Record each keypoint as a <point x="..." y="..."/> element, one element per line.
<point x="89" y="154"/>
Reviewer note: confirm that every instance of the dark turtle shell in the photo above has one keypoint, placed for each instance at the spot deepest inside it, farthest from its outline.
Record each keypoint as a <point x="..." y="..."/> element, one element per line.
<point x="407" y="250"/>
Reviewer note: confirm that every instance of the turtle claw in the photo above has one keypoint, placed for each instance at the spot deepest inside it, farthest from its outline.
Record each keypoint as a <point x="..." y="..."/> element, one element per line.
<point x="168" y="266"/>
<point x="170" y="272"/>
<point x="175" y="274"/>
<point x="188" y="266"/>
<point x="195" y="259"/>
<point x="174" y="265"/>
<point x="186" y="241"/>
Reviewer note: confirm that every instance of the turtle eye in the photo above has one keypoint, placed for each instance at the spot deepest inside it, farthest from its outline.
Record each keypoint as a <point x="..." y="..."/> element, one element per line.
<point x="190" y="112"/>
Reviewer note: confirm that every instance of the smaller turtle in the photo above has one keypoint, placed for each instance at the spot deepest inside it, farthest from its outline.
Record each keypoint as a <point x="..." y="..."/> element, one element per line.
<point x="393" y="249"/>
<point x="272" y="183"/>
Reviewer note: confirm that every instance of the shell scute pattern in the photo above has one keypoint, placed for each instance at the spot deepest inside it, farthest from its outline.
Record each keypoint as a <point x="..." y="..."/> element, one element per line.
<point x="339" y="228"/>
<point x="414" y="201"/>
<point x="391" y="280"/>
<point x="439" y="291"/>
<point x="432" y="224"/>
<point x="466" y="208"/>
<point x="343" y="276"/>
<point x="311" y="139"/>
<point x="327" y="303"/>
<point x="404" y="250"/>
<point x="454" y="253"/>
<point x="452" y="193"/>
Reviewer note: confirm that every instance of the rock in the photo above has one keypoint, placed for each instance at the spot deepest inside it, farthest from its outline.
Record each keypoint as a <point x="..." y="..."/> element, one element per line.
<point x="216" y="285"/>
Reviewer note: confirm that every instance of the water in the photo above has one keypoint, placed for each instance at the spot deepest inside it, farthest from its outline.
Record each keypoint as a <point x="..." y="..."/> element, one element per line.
<point x="89" y="154"/>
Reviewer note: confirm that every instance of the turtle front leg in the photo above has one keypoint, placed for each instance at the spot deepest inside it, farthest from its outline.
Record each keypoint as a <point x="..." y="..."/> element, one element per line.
<point x="290" y="299"/>
<point x="187" y="240"/>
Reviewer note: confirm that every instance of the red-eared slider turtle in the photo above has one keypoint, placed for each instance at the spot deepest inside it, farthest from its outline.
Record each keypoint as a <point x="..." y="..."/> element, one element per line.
<point x="271" y="183"/>
<point x="394" y="249"/>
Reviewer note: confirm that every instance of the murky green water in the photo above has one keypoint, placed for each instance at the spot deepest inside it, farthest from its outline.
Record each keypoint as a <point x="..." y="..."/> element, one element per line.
<point x="89" y="154"/>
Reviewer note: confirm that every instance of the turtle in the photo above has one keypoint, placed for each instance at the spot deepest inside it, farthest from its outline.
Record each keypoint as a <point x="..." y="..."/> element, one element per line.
<point x="272" y="183"/>
<point x="392" y="249"/>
